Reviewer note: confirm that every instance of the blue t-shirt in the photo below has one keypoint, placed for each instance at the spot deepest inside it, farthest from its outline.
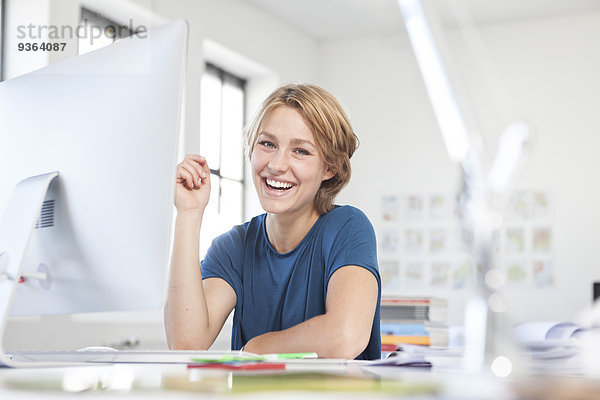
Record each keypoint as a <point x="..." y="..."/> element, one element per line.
<point x="276" y="291"/>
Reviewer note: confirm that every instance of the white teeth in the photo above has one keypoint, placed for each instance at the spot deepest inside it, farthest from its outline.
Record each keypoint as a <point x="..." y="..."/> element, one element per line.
<point x="279" y="185"/>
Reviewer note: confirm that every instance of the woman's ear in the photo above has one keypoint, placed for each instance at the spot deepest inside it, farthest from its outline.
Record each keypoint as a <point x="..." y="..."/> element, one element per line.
<point x="329" y="173"/>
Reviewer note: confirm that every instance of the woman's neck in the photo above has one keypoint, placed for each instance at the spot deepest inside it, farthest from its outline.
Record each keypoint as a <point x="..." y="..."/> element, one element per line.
<point x="285" y="232"/>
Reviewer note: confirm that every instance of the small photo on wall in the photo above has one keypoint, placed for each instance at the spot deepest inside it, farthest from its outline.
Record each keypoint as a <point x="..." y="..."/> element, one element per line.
<point x="414" y="241"/>
<point x="440" y="272"/>
<point x="540" y="205"/>
<point x="542" y="273"/>
<point x="541" y="241"/>
<point x="462" y="274"/>
<point x="391" y="208"/>
<point x="414" y="207"/>
<point x="439" y="207"/>
<point x="518" y="208"/>
<point x="390" y="275"/>
<point x="515" y="240"/>
<point x="438" y="241"/>
<point x="390" y="241"/>
<point x="516" y="272"/>
<point x="414" y="275"/>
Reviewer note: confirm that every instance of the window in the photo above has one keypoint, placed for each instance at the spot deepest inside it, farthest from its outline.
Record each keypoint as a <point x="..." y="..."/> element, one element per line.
<point x="99" y="31"/>
<point x="2" y="11"/>
<point x="221" y="142"/>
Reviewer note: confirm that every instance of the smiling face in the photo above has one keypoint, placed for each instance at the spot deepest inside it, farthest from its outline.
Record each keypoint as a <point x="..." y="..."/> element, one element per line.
<point x="287" y="166"/>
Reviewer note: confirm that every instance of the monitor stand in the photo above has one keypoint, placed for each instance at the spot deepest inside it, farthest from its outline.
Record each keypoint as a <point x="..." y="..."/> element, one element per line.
<point x="16" y="228"/>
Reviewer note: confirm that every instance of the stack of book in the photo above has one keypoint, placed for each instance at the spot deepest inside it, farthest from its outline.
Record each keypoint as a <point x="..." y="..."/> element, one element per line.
<point x="413" y="320"/>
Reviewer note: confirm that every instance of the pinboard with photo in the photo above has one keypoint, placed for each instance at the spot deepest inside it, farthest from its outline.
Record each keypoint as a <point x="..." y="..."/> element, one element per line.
<point x="423" y="245"/>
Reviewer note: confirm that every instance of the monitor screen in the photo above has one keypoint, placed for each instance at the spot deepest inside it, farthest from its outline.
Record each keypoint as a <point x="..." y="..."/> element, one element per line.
<point x="108" y="123"/>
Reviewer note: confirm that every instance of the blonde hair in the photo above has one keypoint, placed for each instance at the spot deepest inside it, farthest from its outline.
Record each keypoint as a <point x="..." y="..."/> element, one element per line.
<point x="330" y="126"/>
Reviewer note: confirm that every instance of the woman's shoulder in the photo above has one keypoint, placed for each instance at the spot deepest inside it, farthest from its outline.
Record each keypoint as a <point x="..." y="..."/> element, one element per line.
<point x="239" y="233"/>
<point x="344" y="228"/>
<point x="345" y="213"/>
<point x="346" y="217"/>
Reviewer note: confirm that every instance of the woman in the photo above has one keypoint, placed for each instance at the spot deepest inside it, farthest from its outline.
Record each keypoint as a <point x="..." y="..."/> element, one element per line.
<point x="303" y="277"/>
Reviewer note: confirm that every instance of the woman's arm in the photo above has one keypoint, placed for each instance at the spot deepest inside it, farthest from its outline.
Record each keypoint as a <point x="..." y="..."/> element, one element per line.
<point x="195" y="310"/>
<point x="345" y="328"/>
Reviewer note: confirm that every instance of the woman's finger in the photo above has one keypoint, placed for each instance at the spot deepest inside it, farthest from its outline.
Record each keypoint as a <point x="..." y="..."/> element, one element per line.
<point x="190" y="169"/>
<point x="185" y="176"/>
<point x="196" y="157"/>
<point x="200" y="160"/>
<point x="198" y="168"/>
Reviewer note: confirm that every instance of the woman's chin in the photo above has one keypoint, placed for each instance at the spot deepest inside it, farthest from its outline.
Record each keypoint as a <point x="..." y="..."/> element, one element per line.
<point x="273" y="209"/>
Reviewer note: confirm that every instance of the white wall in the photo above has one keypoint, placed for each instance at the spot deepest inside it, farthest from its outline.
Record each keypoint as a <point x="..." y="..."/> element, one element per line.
<point x="550" y="68"/>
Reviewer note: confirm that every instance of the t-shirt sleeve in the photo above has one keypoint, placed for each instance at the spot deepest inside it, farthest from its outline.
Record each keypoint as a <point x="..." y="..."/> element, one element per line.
<point x="354" y="244"/>
<point x="224" y="259"/>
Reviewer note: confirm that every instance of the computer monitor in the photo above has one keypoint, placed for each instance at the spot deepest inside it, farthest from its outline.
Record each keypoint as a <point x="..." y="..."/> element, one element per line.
<point x="108" y="123"/>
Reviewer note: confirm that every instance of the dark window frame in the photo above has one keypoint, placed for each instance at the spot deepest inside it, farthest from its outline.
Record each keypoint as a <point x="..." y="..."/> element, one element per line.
<point x="224" y="75"/>
<point x="86" y="13"/>
<point x="122" y="31"/>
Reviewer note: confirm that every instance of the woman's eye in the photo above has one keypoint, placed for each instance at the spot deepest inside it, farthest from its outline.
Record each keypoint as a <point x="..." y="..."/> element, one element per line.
<point x="302" y="152"/>
<point x="266" y="143"/>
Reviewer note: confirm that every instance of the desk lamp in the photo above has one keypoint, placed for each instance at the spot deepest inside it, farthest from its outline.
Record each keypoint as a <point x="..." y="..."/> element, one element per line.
<point x="489" y="345"/>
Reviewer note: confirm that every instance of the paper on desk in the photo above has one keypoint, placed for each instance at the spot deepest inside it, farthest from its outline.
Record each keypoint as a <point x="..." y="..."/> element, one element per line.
<point x="546" y="330"/>
<point x="401" y="359"/>
<point x="431" y="351"/>
<point x="549" y="340"/>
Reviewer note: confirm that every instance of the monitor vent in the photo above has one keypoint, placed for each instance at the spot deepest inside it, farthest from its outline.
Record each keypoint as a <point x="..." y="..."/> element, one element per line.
<point x="46" y="219"/>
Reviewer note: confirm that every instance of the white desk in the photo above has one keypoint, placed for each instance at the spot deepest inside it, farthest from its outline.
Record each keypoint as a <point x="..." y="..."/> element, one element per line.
<point x="299" y="381"/>
<point x="176" y="381"/>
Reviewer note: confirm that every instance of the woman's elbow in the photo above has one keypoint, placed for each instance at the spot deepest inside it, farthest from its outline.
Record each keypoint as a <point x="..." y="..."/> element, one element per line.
<point x="183" y="345"/>
<point x="187" y="343"/>
<point x="351" y="345"/>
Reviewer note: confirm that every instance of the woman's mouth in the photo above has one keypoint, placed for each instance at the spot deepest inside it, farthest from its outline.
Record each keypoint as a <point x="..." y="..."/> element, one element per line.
<point x="278" y="185"/>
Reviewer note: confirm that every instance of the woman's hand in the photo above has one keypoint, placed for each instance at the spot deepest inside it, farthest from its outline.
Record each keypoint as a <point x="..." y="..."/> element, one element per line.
<point x="193" y="184"/>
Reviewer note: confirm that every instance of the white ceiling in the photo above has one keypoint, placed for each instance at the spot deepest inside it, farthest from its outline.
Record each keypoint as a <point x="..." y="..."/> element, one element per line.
<point x="335" y="19"/>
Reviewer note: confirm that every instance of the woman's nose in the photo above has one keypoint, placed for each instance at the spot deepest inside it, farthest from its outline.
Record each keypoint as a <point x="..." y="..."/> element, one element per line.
<point x="278" y="162"/>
